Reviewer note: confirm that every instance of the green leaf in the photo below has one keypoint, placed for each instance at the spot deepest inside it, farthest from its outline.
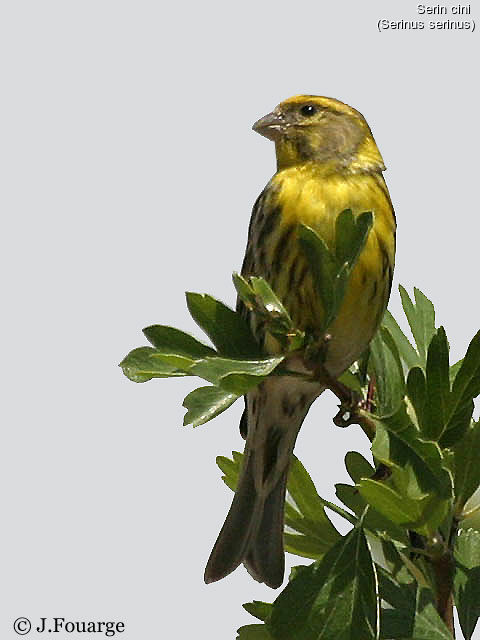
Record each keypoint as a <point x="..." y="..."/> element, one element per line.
<point x="324" y="268"/>
<point x="373" y="520"/>
<point x="139" y="366"/>
<point x="357" y="466"/>
<point x="413" y="613"/>
<point x="313" y="533"/>
<point x="350" y="235"/>
<point x="454" y="369"/>
<point x="228" y="331"/>
<point x="331" y="269"/>
<point x="254" y="632"/>
<point x="471" y="516"/>
<point x="205" y="403"/>
<point x="416" y="391"/>
<point x="395" y="507"/>
<point x="465" y="388"/>
<point x="182" y="363"/>
<point x="350" y="497"/>
<point x="407" y="353"/>
<point x="399" y="445"/>
<point x="307" y="515"/>
<point x="386" y="369"/>
<point x="437" y="390"/>
<point x="351" y="380"/>
<point x="333" y="599"/>
<point x="231" y="468"/>
<point x="244" y="290"/>
<point x="467" y="465"/>
<point x="419" y="474"/>
<point x="467" y="580"/>
<point x="400" y="568"/>
<point x="421" y="318"/>
<point x="261" y="300"/>
<point x="304" y="545"/>
<point x="171" y="340"/>
<point x="258" y="609"/>
<point x="269" y="299"/>
<point x="235" y="376"/>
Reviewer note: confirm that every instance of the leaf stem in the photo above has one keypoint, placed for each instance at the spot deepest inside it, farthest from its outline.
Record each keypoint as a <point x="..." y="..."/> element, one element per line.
<point x="341" y="512"/>
<point x="470" y="512"/>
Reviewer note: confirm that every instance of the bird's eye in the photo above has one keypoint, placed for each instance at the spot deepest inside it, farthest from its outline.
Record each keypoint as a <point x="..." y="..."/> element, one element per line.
<point x="308" y="110"/>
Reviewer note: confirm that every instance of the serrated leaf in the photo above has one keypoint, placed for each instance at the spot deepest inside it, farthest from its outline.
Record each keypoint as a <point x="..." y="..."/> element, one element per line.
<point x="386" y="368"/>
<point x="413" y="613"/>
<point x="230" y="468"/>
<point x="373" y="520"/>
<point x="399" y="595"/>
<point x="176" y="342"/>
<point x="333" y="599"/>
<point x="407" y="352"/>
<point x="421" y="318"/>
<point x="465" y="388"/>
<point x="392" y="505"/>
<point x="398" y="444"/>
<point x="139" y="366"/>
<point x="419" y="473"/>
<point x="454" y="369"/>
<point x="227" y="330"/>
<point x="400" y="568"/>
<point x="303" y="492"/>
<point x="258" y="609"/>
<point x="428" y="625"/>
<point x="235" y="376"/>
<point x="467" y="465"/>
<point x="205" y="403"/>
<point x="254" y="632"/>
<point x="307" y="515"/>
<point x="467" y="580"/>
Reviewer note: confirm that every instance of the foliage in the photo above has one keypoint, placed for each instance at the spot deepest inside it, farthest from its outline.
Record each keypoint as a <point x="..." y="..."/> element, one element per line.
<point x="407" y="512"/>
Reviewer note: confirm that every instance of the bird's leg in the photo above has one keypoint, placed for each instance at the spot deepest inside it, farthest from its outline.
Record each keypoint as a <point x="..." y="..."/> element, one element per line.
<point x="353" y="409"/>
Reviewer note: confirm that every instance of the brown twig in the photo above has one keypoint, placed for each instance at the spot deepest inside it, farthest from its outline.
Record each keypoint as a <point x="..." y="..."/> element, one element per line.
<point x="443" y="570"/>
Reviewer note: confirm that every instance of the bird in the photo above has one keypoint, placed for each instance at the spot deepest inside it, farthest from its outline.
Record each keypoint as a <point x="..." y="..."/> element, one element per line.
<point x="327" y="162"/>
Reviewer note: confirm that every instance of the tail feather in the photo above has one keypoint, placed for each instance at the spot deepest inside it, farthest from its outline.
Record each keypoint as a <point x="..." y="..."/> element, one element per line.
<point x="233" y="539"/>
<point x="253" y="530"/>
<point x="265" y="560"/>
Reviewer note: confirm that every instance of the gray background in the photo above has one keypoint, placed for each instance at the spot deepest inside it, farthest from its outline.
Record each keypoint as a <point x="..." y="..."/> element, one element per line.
<point x="129" y="170"/>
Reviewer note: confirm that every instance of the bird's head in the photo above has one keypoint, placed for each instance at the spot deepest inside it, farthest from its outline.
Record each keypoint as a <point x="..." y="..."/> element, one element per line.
<point x="320" y="130"/>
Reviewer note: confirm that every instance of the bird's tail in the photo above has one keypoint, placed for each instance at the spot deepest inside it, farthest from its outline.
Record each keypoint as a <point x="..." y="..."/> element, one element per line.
<point x="253" y="530"/>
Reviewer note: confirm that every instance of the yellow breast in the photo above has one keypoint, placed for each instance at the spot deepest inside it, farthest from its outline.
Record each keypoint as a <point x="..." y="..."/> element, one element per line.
<point x="313" y="197"/>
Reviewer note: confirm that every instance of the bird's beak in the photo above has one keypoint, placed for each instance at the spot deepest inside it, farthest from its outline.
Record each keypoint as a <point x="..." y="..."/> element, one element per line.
<point x="271" y="126"/>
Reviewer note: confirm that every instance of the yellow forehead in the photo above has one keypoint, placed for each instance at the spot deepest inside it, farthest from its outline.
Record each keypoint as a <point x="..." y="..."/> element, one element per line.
<point x="321" y="101"/>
